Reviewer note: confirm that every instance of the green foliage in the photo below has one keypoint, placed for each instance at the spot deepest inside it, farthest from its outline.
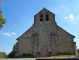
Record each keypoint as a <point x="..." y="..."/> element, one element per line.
<point x="38" y="53"/>
<point x="49" y="52"/>
<point x="3" y="55"/>
<point x="15" y="46"/>
<point x="65" y="53"/>
<point x="2" y="20"/>
<point x="29" y="54"/>
<point x="11" y="55"/>
<point x="25" y="56"/>
<point x="20" y="56"/>
<point x="1" y="26"/>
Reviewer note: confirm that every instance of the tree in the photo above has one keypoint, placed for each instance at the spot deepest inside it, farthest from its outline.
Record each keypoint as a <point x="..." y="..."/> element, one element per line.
<point x="2" y="20"/>
<point x="12" y="54"/>
<point x="3" y="55"/>
<point x="15" y="46"/>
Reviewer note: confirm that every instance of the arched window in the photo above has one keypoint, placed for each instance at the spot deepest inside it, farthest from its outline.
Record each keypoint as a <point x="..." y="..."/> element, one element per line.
<point x="47" y="17"/>
<point x="41" y="17"/>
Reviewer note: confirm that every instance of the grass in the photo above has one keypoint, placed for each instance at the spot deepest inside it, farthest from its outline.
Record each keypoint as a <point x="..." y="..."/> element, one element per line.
<point x="62" y="56"/>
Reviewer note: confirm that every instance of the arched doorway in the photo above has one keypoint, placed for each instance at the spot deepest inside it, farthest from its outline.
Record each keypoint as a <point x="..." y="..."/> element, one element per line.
<point x="44" y="50"/>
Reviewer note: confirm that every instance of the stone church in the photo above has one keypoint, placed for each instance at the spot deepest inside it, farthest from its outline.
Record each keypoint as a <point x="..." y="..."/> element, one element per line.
<point x="45" y="36"/>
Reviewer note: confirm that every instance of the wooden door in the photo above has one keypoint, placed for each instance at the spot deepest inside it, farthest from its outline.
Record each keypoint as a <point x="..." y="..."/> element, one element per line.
<point x="44" y="50"/>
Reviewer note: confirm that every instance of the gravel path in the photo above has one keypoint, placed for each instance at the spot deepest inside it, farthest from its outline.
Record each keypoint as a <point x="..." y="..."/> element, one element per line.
<point x="37" y="58"/>
<point x="18" y="59"/>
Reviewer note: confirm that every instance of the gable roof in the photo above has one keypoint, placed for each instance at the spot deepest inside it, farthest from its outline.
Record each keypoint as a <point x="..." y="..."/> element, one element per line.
<point x="66" y="31"/>
<point x="44" y="9"/>
<point x="30" y="29"/>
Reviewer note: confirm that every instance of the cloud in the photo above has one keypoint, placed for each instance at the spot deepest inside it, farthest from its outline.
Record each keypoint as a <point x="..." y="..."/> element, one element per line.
<point x="13" y="33"/>
<point x="66" y="17"/>
<point x="7" y="34"/>
<point x="72" y="18"/>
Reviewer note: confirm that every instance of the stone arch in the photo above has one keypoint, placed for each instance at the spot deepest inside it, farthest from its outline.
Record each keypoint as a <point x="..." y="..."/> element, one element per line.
<point x="44" y="50"/>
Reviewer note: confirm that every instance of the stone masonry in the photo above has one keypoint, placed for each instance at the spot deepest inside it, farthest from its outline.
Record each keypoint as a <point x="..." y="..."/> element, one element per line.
<point x="45" y="36"/>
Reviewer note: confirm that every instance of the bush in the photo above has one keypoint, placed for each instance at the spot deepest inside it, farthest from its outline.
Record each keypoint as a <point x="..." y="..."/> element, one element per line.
<point x="21" y="56"/>
<point x="11" y="55"/>
<point x="65" y="53"/>
<point x="24" y="54"/>
<point x="38" y="53"/>
<point x="3" y="55"/>
<point x="71" y="53"/>
<point x="50" y="53"/>
<point x="59" y="53"/>
<point x="29" y="54"/>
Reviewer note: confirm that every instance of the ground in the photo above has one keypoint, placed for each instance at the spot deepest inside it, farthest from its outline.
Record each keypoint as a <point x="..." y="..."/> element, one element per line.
<point x="56" y="57"/>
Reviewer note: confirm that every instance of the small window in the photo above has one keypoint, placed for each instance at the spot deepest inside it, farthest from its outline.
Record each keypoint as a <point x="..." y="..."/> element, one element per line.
<point x="47" y="18"/>
<point x="41" y="17"/>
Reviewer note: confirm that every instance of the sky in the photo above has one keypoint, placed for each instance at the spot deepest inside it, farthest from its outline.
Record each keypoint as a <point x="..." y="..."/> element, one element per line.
<point x="19" y="15"/>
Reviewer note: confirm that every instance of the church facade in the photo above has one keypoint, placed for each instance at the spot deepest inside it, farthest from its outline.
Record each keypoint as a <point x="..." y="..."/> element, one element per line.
<point x="45" y="36"/>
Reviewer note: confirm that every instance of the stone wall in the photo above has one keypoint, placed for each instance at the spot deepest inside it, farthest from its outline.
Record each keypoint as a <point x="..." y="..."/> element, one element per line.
<point x="64" y="41"/>
<point x="45" y="35"/>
